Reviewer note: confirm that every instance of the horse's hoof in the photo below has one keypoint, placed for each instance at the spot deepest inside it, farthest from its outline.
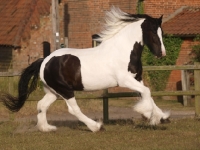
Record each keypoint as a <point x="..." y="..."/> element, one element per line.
<point x="47" y="128"/>
<point x="102" y="129"/>
<point x="164" y="121"/>
<point x="144" y="118"/>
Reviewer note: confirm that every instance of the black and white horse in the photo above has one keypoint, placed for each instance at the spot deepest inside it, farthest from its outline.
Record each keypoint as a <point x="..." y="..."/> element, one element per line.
<point x="110" y="64"/>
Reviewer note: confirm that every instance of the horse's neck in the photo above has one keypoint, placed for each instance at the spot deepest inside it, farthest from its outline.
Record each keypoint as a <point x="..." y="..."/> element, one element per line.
<point x="126" y="37"/>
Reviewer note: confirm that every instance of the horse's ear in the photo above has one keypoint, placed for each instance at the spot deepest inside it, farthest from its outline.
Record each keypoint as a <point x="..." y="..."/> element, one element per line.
<point x="160" y="19"/>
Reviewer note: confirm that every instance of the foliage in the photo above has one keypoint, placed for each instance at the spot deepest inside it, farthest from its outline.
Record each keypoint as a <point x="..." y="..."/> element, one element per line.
<point x="140" y="7"/>
<point x="158" y="79"/>
<point x="196" y="50"/>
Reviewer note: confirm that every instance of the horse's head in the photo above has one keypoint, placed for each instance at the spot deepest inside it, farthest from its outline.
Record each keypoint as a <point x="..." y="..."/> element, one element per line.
<point x="152" y="35"/>
<point x="151" y="29"/>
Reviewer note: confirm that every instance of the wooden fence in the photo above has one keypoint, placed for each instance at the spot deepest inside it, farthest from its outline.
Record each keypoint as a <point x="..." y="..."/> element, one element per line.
<point x="106" y="95"/>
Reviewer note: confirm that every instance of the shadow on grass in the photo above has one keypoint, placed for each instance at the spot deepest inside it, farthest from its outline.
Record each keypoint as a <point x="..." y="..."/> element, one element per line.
<point x="138" y="124"/>
<point x="121" y="122"/>
<point x="150" y="127"/>
<point x="77" y="125"/>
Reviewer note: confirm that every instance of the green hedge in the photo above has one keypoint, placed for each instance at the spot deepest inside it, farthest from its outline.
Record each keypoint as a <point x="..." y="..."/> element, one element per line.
<point x="196" y="50"/>
<point x="158" y="79"/>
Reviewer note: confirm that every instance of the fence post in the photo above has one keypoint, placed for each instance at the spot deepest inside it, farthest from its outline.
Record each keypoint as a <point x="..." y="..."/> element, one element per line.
<point x="185" y="86"/>
<point x="197" y="88"/>
<point x="105" y="106"/>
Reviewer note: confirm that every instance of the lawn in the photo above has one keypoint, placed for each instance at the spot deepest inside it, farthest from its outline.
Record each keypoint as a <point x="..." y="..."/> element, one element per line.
<point x="120" y="134"/>
<point x="183" y="134"/>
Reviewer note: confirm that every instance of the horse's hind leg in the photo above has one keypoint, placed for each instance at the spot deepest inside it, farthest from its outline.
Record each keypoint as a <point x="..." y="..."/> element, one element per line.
<point x="75" y="110"/>
<point x="42" y="107"/>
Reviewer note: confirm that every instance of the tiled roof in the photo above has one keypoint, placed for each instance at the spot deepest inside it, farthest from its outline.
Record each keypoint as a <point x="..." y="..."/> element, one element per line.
<point x="17" y="17"/>
<point x="186" y="23"/>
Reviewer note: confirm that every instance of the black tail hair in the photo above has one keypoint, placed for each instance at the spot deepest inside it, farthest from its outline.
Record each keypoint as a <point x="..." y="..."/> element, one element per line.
<point x="27" y="84"/>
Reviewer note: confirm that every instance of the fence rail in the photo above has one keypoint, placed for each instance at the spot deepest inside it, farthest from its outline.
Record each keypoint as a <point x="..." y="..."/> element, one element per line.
<point x="106" y="95"/>
<point x="195" y="92"/>
<point x="196" y="66"/>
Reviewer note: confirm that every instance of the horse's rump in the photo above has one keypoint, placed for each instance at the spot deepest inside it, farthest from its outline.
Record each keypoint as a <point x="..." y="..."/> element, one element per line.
<point x="63" y="75"/>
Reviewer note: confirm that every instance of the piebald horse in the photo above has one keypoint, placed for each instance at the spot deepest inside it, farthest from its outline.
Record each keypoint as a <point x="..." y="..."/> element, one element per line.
<point x="110" y="64"/>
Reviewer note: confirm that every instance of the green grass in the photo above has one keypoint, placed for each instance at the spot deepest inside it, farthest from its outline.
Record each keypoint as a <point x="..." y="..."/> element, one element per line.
<point x="181" y="134"/>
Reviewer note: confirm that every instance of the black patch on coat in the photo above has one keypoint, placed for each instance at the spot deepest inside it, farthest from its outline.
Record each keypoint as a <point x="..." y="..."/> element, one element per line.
<point x="63" y="74"/>
<point x="135" y="64"/>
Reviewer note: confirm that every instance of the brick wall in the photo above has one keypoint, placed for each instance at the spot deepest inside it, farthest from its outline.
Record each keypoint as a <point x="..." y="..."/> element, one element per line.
<point x="32" y="49"/>
<point x="84" y="19"/>
<point x="183" y="59"/>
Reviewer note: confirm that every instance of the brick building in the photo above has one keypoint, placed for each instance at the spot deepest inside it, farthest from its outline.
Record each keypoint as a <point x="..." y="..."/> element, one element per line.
<point x="185" y="24"/>
<point x="26" y="24"/>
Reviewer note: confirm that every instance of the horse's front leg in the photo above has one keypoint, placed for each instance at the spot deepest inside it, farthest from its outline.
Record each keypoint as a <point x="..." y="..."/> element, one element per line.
<point x="156" y="109"/>
<point x="74" y="109"/>
<point x="146" y="105"/>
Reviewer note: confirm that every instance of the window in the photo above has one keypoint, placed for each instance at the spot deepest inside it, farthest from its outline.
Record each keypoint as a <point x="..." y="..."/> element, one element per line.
<point x="5" y="58"/>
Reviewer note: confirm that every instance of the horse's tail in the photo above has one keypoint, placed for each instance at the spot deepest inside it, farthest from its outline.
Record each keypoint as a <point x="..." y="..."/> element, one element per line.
<point x="27" y="84"/>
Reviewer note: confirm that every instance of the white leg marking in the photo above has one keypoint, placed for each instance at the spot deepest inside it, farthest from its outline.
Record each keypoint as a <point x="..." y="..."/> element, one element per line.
<point x="69" y="108"/>
<point x="158" y="114"/>
<point x="42" y="107"/>
<point x="75" y="110"/>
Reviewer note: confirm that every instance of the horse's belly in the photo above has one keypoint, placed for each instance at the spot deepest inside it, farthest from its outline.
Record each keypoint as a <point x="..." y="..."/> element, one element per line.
<point x="97" y="80"/>
<point x="90" y="85"/>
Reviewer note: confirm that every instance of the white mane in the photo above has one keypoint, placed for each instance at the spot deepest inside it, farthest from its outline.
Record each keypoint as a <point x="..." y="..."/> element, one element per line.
<point x="115" y="20"/>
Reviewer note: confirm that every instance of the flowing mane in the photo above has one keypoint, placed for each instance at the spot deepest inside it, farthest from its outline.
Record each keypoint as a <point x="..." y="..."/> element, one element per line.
<point x="115" y="20"/>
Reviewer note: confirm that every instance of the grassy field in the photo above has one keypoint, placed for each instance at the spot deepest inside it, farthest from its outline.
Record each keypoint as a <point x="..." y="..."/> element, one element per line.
<point x="130" y="134"/>
<point x="181" y="134"/>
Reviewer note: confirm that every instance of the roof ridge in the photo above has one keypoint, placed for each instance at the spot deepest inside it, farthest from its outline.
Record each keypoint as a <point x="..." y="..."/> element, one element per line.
<point x="193" y="8"/>
<point x="178" y="11"/>
<point x="185" y="23"/>
<point x="18" y="18"/>
<point x="24" y="21"/>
